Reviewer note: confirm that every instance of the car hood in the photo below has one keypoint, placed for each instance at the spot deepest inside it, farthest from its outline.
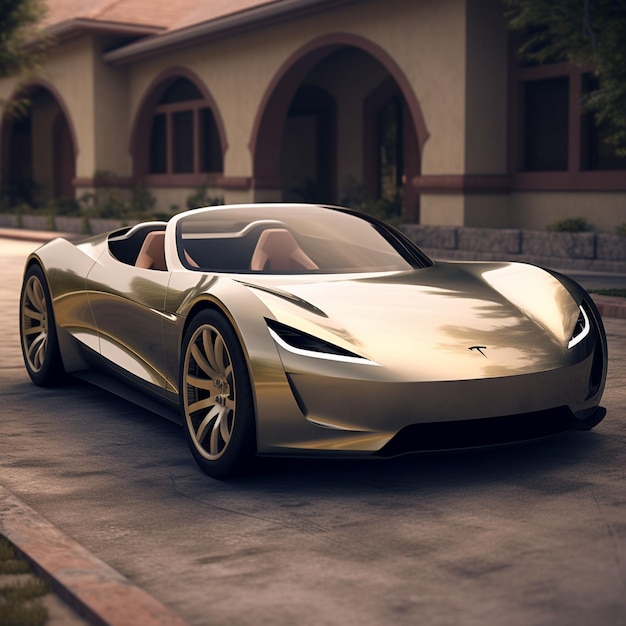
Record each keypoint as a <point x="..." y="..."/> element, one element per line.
<point x="449" y="321"/>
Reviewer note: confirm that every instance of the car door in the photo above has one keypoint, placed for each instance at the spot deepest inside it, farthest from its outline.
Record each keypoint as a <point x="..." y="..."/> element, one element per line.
<point x="127" y="304"/>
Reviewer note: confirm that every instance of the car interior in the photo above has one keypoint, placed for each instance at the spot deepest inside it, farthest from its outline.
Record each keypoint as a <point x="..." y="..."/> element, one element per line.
<point x="277" y="250"/>
<point x="260" y="249"/>
<point x="141" y="245"/>
<point x="152" y="252"/>
<point x="272" y="249"/>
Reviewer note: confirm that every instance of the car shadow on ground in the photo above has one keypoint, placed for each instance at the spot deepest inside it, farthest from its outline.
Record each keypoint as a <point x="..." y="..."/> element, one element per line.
<point x="553" y="464"/>
<point x="561" y="458"/>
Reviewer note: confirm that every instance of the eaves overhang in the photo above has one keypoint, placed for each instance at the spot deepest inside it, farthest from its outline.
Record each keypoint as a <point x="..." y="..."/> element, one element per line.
<point x="249" y="19"/>
<point x="69" y="29"/>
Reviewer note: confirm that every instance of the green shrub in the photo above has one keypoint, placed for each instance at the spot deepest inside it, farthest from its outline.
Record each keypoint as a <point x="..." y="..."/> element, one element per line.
<point x="310" y="191"/>
<point x="621" y="230"/>
<point x="356" y="196"/>
<point x="68" y="207"/>
<point x="201" y="199"/>
<point x="105" y="203"/>
<point x="109" y="201"/>
<point x="20" y="191"/>
<point x="615" y="292"/>
<point x="570" y="225"/>
<point x="142" y="200"/>
<point x="20" y="598"/>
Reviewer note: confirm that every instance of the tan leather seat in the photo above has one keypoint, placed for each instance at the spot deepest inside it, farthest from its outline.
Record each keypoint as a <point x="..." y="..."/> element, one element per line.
<point x="152" y="253"/>
<point x="277" y="250"/>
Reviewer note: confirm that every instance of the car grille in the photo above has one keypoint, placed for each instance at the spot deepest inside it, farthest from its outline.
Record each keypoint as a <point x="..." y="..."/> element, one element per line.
<point x="480" y="432"/>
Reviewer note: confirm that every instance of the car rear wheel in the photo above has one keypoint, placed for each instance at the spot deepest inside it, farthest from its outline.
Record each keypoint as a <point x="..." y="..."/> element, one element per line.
<point x="216" y="397"/>
<point x="38" y="337"/>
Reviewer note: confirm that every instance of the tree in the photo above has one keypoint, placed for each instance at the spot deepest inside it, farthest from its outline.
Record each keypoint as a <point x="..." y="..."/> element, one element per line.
<point x="583" y="32"/>
<point x="21" y="43"/>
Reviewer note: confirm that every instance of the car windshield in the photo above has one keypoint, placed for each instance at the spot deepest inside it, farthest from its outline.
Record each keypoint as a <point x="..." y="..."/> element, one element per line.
<point x="278" y="239"/>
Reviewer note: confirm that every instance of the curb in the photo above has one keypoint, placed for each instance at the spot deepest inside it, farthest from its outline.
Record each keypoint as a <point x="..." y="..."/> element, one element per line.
<point x="37" y="236"/>
<point x="88" y="585"/>
<point x="609" y="306"/>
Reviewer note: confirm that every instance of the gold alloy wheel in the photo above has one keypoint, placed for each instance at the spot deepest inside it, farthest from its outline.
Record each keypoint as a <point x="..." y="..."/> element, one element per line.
<point x="209" y="392"/>
<point x="35" y="323"/>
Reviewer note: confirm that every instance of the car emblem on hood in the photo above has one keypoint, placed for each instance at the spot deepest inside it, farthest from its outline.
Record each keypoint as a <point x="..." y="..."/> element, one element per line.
<point x="479" y="349"/>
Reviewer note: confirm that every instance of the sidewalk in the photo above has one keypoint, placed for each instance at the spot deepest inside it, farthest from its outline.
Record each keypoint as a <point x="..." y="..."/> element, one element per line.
<point x="83" y="582"/>
<point x="37" y="236"/>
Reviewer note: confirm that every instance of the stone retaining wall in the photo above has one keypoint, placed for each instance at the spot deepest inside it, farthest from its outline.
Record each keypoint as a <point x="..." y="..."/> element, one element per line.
<point x="584" y="251"/>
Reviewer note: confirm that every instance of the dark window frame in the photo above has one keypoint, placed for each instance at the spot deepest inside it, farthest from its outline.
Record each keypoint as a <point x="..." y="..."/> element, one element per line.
<point x="574" y="177"/>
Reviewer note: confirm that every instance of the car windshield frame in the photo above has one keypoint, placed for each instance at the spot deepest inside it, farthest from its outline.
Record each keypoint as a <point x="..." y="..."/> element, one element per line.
<point x="283" y="239"/>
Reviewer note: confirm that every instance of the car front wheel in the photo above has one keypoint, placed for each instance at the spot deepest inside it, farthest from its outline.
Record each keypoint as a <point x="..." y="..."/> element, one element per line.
<point x="216" y="397"/>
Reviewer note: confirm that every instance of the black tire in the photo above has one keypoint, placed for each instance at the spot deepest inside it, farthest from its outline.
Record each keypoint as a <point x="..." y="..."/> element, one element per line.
<point x="38" y="334"/>
<point x="216" y="397"/>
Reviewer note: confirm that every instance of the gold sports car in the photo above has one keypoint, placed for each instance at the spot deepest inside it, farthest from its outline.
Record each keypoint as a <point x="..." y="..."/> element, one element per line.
<point x="301" y="329"/>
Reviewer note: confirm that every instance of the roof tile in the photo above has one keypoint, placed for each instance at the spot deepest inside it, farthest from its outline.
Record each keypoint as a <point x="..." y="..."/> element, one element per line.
<point x="167" y="14"/>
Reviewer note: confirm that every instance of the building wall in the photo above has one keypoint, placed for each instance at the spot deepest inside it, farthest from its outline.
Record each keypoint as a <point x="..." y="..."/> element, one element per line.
<point x="535" y="210"/>
<point x="426" y="40"/>
<point x="486" y="58"/>
<point x="8" y="87"/>
<point x="482" y="131"/>
<point x="453" y="54"/>
<point x="69" y="68"/>
<point x="112" y="132"/>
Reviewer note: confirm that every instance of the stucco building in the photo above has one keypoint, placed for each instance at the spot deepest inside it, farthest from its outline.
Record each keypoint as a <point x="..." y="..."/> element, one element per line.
<point x="291" y="99"/>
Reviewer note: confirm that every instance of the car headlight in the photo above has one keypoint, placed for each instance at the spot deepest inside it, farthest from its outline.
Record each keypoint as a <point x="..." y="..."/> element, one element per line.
<point x="581" y="329"/>
<point x="303" y="344"/>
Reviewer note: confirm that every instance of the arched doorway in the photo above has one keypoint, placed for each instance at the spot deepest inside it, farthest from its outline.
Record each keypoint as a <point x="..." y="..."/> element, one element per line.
<point x="38" y="150"/>
<point x="308" y="151"/>
<point x="339" y="112"/>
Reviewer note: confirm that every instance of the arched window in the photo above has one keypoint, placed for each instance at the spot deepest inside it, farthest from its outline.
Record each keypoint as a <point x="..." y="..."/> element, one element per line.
<point x="184" y="138"/>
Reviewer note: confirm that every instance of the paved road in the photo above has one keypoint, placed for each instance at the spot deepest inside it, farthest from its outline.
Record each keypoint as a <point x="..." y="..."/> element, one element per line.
<point x="531" y="534"/>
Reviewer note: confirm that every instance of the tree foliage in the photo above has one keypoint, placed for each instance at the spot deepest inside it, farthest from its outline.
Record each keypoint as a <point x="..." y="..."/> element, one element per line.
<point x="21" y="43"/>
<point x="583" y="32"/>
<point x="20" y="52"/>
